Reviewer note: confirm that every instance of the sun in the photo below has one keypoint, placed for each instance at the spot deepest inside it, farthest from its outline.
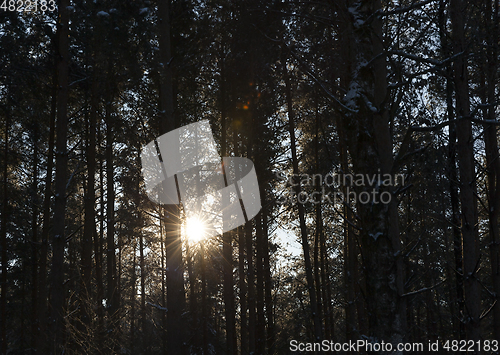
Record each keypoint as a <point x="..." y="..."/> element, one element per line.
<point x="196" y="230"/>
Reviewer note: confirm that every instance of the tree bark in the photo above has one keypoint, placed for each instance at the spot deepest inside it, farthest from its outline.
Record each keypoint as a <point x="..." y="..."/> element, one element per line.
<point x="42" y="270"/>
<point x="369" y="142"/>
<point x="243" y="292"/>
<point x="261" y="323"/>
<point x="175" y="279"/>
<point x="251" y="287"/>
<point x="315" y="316"/>
<point x="227" y="237"/>
<point x="271" y="339"/>
<point x="89" y="229"/>
<point x="492" y="156"/>
<point x="459" y="326"/>
<point x="112" y="295"/>
<point x="5" y="202"/>
<point x="34" y="230"/>
<point x="465" y="149"/>
<point x="59" y="241"/>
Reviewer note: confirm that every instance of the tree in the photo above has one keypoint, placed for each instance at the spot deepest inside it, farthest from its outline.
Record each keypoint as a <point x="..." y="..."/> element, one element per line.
<point x="465" y="151"/>
<point x="175" y="281"/>
<point x="59" y="240"/>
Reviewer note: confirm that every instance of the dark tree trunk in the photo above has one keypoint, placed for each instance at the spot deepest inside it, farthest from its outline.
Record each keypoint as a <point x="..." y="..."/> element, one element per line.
<point x="175" y="279"/>
<point x="59" y="240"/>
<point x="112" y="295"/>
<point x="133" y="294"/>
<point x="41" y="345"/>
<point x="492" y="155"/>
<point x="259" y="268"/>
<point x="192" y="302"/>
<point x="145" y="334"/>
<point x="268" y="283"/>
<point x="34" y="230"/>
<point x="251" y="288"/>
<point x="369" y="142"/>
<point x="243" y="292"/>
<point x="459" y="326"/>
<point x="3" y="296"/>
<point x="465" y="150"/>
<point x="204" y="305"/>
<point x="227" y="237"/>
<point x="315" y="316"/>
<point x="89" y="207"/>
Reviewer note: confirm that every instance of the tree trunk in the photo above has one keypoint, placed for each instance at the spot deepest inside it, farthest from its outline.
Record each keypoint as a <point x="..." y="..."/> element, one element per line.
<point x="175" y="279"/>
<point x="145" y="334"/>
<point x="315" y="316"/>
<point x="112" y="295"/>
<point x="227" y="237"/>
<point x="459" y="326"/>
<point x="492" y="156"/>
<point x="192" y="302"/>
<point x="243" y="292"/>
<point x="369" y="141"/>
<point x="89" y="230"/>
<point x="259" y="268"/>
<point x="251" y="288"/>
<point x="465" y="148"/>
<point x="59" y="240"/>
<point x="3" y="296"/>
<point x="34" y="230"/>
<point x="42" y="270"/>
<point x="204" y="305"/>
<point x="268" y="282"/>
<point x="133" y="294"/>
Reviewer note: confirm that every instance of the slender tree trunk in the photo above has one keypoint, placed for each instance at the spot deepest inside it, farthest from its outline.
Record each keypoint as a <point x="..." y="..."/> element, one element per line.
<point x="261" y="323"/>
<point x="354" y="299"/>
<point x="89" y="222"/>
<point x="251" y="287"/>
<point x="243" y="292"/>
<point x="316" y="267"/>
<point x="133" y="294"/>
<point x="241" y="235"/>
<point x="112" y="295"/>
<point x="175" y="279"/>
<point x="204" y="305"/>
<point x="227" y="237"/>
<point x="98" y="245"/>
<point x="492" y="156"/>
<point x="59" y="241"/>
<point x="465" y="148"/>
<point x="5" y="202"/>
<point x="34" y="251"/>
<point x="163" y="283"/>
<point x="459" y="326"/>
<point x="302" y="221"/>
<point x="145" y="334"/>
<point x="41" y="345"/>
<point x="268" y="283"/>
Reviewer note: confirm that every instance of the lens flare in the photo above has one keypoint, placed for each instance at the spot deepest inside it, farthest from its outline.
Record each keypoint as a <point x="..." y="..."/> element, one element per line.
<point x="196" y="230"/>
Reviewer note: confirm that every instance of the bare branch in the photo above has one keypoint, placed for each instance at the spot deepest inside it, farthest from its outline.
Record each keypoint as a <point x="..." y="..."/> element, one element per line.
<point x="422" y="290"/>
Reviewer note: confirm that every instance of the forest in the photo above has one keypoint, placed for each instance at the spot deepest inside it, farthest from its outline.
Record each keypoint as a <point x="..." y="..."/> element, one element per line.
<point x="372" y="127"/>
